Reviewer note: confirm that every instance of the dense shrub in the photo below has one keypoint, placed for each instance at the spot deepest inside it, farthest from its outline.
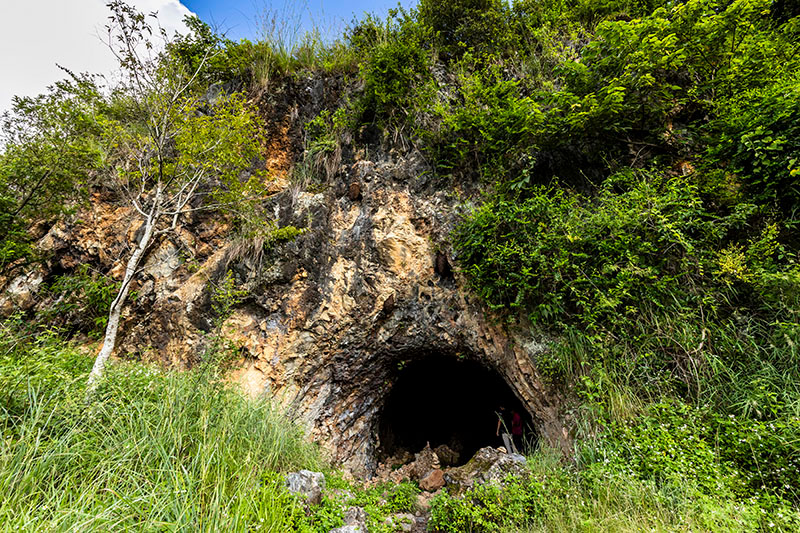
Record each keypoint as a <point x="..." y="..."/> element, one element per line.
<point x="760" y="141"/>
<point x="215" y="58"/>
<point x="765" y="453"/>
<point x="567" y="258"/>
<point x="396" y="64"/>
<point x="479" y="26"/>
<point x="50" y="148"/>
<point x="488" y="124"/>
<point x="487" y="507"/>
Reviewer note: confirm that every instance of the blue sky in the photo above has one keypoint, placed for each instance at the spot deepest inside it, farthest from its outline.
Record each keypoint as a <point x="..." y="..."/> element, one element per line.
<point x="241" y="18"/>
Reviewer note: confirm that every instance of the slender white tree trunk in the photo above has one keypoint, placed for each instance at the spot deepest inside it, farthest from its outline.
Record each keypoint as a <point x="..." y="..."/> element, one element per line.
<point x="115" y="311"/>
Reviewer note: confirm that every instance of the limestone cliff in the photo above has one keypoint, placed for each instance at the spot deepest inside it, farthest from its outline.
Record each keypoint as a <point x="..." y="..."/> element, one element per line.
<point x="332" y="317"/>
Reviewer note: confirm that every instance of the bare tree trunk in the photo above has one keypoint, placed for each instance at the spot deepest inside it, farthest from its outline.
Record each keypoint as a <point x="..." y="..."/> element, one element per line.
<point x="110" y="339"/>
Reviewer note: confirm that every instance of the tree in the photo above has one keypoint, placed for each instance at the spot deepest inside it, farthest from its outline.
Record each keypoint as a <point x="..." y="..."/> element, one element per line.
<point x="175" y="154"/>
<point x="50" y="147"/>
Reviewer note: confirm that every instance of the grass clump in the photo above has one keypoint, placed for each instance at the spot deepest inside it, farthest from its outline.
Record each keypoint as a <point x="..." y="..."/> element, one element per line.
<point x="156" y="450"/>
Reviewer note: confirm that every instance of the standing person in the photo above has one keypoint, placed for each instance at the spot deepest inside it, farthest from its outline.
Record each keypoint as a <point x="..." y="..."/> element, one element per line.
<point x="502" y="423"/>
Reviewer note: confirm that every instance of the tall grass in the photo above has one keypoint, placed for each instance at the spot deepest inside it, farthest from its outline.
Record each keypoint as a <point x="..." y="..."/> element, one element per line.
<point x="559" y="497"/>
<point x="156" y="451"/>
<point x="285" y="47"/>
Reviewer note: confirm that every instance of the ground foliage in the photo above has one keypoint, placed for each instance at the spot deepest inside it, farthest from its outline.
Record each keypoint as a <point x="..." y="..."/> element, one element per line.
<point x="156" y="450"/>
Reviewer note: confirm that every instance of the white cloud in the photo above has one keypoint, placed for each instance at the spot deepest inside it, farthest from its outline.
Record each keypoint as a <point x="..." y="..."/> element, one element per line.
<point x="37" y="34"/>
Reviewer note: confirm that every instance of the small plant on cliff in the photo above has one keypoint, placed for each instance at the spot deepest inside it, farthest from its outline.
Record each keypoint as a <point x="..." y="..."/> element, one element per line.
<point x="82" y="300"/>
<point x="224" y="298"/>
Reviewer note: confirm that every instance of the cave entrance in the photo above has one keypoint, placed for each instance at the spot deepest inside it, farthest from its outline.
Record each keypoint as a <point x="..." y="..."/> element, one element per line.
<point x="451" y="401"/>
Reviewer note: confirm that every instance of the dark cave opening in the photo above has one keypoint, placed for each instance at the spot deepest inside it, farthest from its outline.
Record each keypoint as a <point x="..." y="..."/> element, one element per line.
<point x="451" y="401"/>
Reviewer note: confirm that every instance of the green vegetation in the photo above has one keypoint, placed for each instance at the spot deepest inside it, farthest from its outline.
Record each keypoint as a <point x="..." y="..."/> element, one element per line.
<point x="82" y="299"/>
<point x="155" y="450"/>
<point x="602" y="496"/>
<point x="50" y="147"/>
<point x="645" y="218"/>
<point x="639" y="163"/>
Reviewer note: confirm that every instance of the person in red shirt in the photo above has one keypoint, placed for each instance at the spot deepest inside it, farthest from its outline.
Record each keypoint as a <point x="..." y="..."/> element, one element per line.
<point x="512" y="421"/>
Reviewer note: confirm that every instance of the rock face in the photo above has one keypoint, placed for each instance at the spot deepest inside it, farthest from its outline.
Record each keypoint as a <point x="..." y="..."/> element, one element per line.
<point x="331" y="317"/>
<point x="357" y="297"/>
<point x="356" y="517"/>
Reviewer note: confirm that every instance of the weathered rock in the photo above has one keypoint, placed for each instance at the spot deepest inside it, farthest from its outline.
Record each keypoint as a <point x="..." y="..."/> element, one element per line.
<point x="488" y="465"/>
<point x="389" y="471"/>
<point x="307" y="483"/>
<point x="425" y="462"/>
<point x="356" y="517"/>
<point x="20" y="294"/>
<point x="423" y="503"/>
<point x="447" y="455"/>
<point x="512" y="463"/>
<point x="348" y="529"/>
<point x="432" y="481"/>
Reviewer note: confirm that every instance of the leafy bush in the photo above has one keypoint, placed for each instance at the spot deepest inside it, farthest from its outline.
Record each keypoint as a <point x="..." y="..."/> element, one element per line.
<point x="565" y="258"/>
<point x="668" y="444"/>
<point x="49" y="149"/>
<point x="382" y="500"/>
<point x="459" y="26"/>
<point x="766" y="453"/>
<point x="486" y="507"/>
<point x="487" y="124"/>
<point x="215" y="58"/>
<point x="760" y="141"/>
<point x="396" y="64"/>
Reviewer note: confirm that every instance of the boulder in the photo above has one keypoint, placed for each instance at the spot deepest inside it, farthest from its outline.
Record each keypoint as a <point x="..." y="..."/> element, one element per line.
<point x="432" y="481"/>
<point x="348" y="529"/>
<point x="401" y="522"/>
<point x="511" y="463"/>
<point x="308" y="484"/>
<point x="488" y="465"/>
<point x="424" y="462"/>
<point x="447" y="455"/>
<point x="423" y="503"/>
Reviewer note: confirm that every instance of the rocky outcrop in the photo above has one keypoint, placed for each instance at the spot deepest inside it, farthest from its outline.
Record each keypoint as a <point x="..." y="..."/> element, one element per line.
<point x="331" y="317"/>
<point x="357" y="297"/>
<point x="489" y="465"/>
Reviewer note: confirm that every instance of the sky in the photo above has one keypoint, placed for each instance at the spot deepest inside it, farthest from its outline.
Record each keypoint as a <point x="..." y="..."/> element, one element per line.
<point x="240" y="19"/>
<point x="35" y="35"/>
